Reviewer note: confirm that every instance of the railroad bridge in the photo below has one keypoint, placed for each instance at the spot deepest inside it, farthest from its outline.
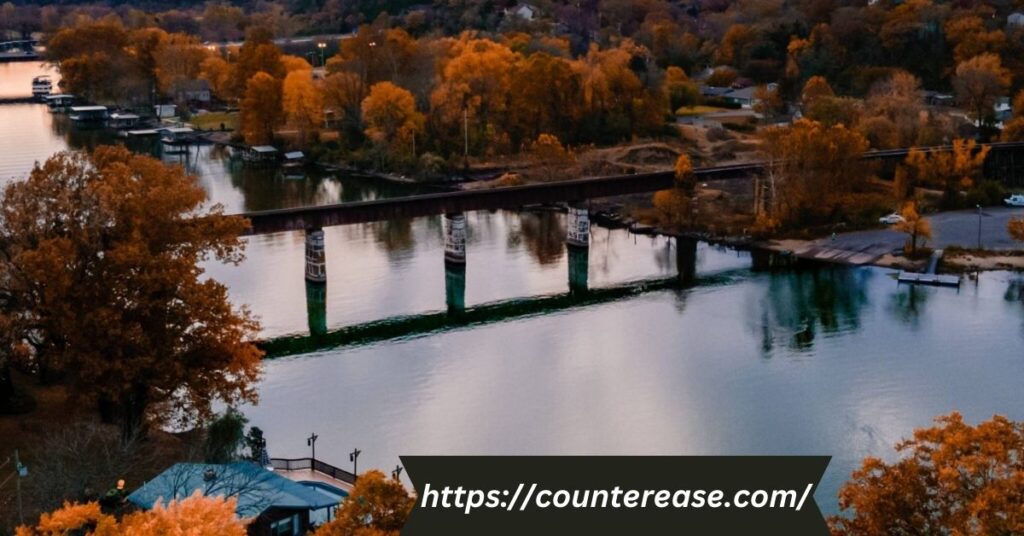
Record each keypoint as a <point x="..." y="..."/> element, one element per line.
<point x="1005" y="163"/>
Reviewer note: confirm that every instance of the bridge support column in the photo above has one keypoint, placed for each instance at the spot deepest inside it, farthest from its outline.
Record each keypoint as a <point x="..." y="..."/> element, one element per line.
<point x="455" y="288"/>
<point x="455" y="238"/>
<point x="686" y="260"/>
<point x="316" y="259"/>
<point x="579" y="269"/>
<point x="578" y="225"/>
<point x="316" y="308"/>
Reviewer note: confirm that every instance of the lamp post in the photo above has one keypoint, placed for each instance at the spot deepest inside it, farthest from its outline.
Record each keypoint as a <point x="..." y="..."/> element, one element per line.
<point x="20" y="472"/>
<point x="322" y="47"/>
<point x="311" y="443"/>
<point x="979" y="226"/>
<point x="354" y="458"/>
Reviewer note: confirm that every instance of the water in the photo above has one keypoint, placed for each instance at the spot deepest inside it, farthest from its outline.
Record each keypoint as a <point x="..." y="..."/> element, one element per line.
<point x="833" y="361"/>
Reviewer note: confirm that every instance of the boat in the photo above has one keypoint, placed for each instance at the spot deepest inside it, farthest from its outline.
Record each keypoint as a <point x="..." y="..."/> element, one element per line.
<point x="41" y="86"/>
<point x="59" y="102"/>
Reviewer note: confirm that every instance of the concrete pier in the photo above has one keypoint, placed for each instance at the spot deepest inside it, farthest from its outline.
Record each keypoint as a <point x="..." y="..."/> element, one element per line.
<point x="686" y="260"/>
<point x="316" y="259"/>
<point x="579" y="268"/>
<point x="455" y="288"/>
<point x="578" y="225"/>
<point x="455" y="238"/>
<point x="316" y="308"/>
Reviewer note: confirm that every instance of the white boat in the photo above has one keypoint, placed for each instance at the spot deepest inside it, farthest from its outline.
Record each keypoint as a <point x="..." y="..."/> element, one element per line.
<point x="41" y="86"/>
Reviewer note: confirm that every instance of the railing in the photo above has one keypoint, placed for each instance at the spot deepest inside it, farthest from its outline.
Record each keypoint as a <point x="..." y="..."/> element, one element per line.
<point x="299" y="464"/>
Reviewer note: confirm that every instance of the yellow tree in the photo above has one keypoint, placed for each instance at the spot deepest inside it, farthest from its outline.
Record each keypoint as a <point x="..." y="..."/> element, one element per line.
<point x="217" y="71"/>
<point x="391" y="118"/>
<point x="303" y="106"/>
<point x="179" y="59"/>
<point x="673" y="206"/>
<point x="1014" y="129"/>
<point x="815" y="88"/>
<point x="952" y="478"/>
<point x="914" y="225"/>
<point x="549" y="156"/>
<point x="979" y="81"/>
<point x="260" y="109"/>
<point x="377" y="506"/>
<point x="1016" y="228"/>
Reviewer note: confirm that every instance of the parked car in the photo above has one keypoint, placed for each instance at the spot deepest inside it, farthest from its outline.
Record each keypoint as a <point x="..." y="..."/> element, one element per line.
<point x="891" y="219"/>
<point x="1015" y="200"/>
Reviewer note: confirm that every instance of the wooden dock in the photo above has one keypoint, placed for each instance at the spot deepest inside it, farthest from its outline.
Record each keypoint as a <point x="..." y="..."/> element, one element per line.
<point x="930" y="277"/>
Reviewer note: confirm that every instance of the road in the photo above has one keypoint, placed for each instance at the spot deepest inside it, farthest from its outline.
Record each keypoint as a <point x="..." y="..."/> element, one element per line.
<point x="955" y="228"/>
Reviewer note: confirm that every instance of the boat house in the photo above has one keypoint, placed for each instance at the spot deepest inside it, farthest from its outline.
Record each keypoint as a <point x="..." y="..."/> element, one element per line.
<point x="260" y="154"/>
<point x="269" y="504"/>
<point x="122" y="121"/>
<point x="176" y="139"/>
<point x="60" y="102"/>
<point x="89" y="114"/>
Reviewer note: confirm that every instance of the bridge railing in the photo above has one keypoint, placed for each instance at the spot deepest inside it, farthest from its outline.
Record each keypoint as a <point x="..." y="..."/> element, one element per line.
<point x="305" y="464"/>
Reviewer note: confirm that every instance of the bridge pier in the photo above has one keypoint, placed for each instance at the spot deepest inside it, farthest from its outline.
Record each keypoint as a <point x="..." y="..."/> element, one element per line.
<point x="686" y="260"/>
<point x="455" y="288"/>
<point x="579" y="269"/>
<point x="455" y="238"/>
<point x="578" y="225"/>
<point x="316" y="308"/>
<point x="316" y="258"/>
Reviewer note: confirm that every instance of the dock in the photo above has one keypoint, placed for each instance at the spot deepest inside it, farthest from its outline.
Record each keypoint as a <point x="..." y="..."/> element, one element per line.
<point x="930" y="277"/>
<point x="19" y="100"/>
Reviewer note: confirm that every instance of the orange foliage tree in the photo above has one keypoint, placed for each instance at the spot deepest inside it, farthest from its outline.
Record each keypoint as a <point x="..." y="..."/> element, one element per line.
<point x="979" y="81"/>
<point x="101" y="272"/>
<point x="952" y="171"/>
<point x="952" y="478"/>
<point x="914" y="226"/>
<point x="392" y="120"/>
<point x="673" y="206"/>
<point x="303" y="106"/>
<point x="260" y="111"/>
<point x="377" y="506"/>
<point x="1016" y="228"/>
<point x="196" y="516"/>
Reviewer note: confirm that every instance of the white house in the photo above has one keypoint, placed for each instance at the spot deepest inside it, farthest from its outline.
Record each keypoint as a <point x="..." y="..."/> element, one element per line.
<point x="523" y="11"/>
<point x="1015" y="19"/>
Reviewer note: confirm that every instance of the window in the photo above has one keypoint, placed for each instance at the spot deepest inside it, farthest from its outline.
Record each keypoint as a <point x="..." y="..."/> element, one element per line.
<point x="285" y="527"/>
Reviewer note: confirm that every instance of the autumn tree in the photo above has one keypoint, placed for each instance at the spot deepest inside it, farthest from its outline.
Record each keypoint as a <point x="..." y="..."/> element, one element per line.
<point x="674" y="205"/>
<point x="179" y="60"/>
<point x="815" y="88"/>
<point x="343" y="95"/>
<point x="196" y="516"/>
<point x="257" y="54"/>
<point x="1016" y="229"/>
<point x="260" y="110"/>
<point x="952" y="478"/>
<point x="1014" y="129"/>
<point x="100" y="263"/>
<point x="377" y="505"/>
<point x="217" y="72"/>
<point x="813" y="171"/>
<point x="679" y="89"/>
<point x="549" y="156"/>
<point x="971" y="38"/>
<point x="951" y="171"/>
<point x="392" y="120"/>
<point x="979" y="81"/>
<point x="914" y="226"/>
<point x="303" y="107"/>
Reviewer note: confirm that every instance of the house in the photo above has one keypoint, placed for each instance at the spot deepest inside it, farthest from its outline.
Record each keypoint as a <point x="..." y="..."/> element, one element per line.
<point x="122" y="121"/>
<point x="89" y="114"/>
<point x="267" y="502"/>
<point x="191" y="91"/>
<point x="1015" y="20"/>
<point x="163" y="111"/>
<point x="523" y="11"/>
<point x="714" y="91"/>
<point x="746" y="97"/>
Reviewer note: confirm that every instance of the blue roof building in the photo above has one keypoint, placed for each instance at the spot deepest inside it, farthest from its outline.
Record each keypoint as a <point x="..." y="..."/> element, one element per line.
<point x="271" y="504"/>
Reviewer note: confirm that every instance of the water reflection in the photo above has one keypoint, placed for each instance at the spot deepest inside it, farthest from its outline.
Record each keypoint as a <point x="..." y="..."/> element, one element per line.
<point x="579" y="268"/>
<point x="796" y="309"/>
<point x="543" y="234"/>
<point x="316" y="307"/>
<point x="907" y="305"/>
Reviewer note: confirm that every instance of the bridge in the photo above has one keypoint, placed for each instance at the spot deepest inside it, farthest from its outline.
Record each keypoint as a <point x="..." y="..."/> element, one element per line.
<point x="23" y="50"/>
<point x="1005" y="162"/>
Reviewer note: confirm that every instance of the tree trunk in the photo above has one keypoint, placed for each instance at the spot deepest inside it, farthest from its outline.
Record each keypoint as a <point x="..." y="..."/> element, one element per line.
<point x="133" y="413"/>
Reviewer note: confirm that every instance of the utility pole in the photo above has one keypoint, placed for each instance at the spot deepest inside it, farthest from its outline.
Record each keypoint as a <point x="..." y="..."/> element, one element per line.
<point x="979" y="226"/>
<point x="20" y="472"/>
<point x="465" y="134"/>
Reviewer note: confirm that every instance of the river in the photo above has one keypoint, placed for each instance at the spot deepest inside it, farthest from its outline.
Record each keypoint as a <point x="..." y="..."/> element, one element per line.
<point x="838" y="361"/>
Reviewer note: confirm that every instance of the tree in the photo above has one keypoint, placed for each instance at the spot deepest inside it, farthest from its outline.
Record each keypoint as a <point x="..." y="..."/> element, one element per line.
<point x="815" y="88"/>
<point x="979" y="81"/>
<point x="953" y="171"/>
<point x="377" y="506"/>
<point x="1014" y="129"/>
<point x="303" y="106"/>
<point x="260" y="111"/>
<point x="914" y="225"/>
<point x="178" y="60"/>
<point x="196" y="516"/>
<point x="1016" y="229"/>
<point x="549" y="156"/>
<point x="225" y="436"/>
<point x="952" y="478"/>
<point x="813" y="170"/>
<point x="100" y="262"/>
<point x="673" y="206"/>
<point x="392" y="120"/>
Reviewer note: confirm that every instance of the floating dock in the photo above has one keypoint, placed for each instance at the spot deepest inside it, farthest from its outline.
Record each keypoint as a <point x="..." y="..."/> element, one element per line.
<point x="930" y="277"/>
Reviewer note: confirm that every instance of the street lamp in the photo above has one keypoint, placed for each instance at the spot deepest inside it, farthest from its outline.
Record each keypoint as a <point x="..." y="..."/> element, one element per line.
<point x="354" y="458"/>
<point x="311" y="443"/>
<point x="979" y="226"/>
<point x="322" y="47"/>
<point x="20" y="471"/>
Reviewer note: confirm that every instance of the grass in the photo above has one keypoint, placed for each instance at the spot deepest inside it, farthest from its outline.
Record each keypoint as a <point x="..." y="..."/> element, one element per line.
<point x="213" y="120"/>
<point x="687" y="111"/>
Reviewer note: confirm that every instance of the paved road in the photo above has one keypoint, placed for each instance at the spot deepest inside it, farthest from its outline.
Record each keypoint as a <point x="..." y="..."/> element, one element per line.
<point x="957" y="228"/>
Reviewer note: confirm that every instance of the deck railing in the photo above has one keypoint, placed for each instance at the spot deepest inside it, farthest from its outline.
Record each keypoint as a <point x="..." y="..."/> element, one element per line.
<point x="299" y="464"/>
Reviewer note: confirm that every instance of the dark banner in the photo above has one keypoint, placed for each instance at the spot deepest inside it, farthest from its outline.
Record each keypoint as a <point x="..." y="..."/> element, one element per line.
<point x="615" y="495"/>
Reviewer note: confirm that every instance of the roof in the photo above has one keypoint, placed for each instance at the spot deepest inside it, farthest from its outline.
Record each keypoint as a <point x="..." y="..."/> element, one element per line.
<point x="294" y="155"/>
<point x="88" y="108"/>
<point x="743" y="93"/>
<point x="58" y="96"/>
<point x="264" y="149"/>
<point x="714" y="91"/>
<point x="178" y="130"/>
<point x="123" y="116"/>
<point x="255" y="488"/>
